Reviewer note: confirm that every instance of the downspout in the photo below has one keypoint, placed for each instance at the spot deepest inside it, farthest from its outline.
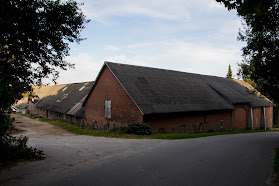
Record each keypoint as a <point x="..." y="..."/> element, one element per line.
<point x="231" y="119"/>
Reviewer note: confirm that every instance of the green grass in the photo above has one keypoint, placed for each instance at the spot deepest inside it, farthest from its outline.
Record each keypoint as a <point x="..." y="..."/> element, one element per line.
<point x="276" y="166"/>
<point x="196" y="135"/>
<point x="72" y="128"/>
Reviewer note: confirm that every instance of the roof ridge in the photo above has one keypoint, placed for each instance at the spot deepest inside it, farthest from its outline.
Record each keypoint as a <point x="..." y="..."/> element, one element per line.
<point x="107" y="62"/>
<point x="66" y="83"/>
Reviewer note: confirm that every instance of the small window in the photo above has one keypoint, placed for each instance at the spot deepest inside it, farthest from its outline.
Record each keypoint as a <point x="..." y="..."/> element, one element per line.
<point x="107" y="108"/>
<point x="64" y="88"/>
<point x="95" y="126"/>
<point x="162" y="130"/>
<point x="221" y="123"/>
<point x="81" y="88"/>
<point x="182" y="129"/>
<point x="106" y="126"/>
<point x="199" y="127"/>
<point x="62" y="97"/>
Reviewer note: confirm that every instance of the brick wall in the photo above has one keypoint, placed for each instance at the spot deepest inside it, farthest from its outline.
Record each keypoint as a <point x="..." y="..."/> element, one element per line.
<point x="269" y="117"/>
<point x="41" y="112"/>
<point x="173" y="123"/>
<point x="32" y="108"/>
<point x="257" y="111"/>
<point x="123" y="109"/>
<point x="214" y="120"/>
<point x="240" y="117"/>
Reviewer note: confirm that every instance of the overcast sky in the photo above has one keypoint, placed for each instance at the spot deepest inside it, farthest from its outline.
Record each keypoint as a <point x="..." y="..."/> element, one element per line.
<point x="197" y="36"/>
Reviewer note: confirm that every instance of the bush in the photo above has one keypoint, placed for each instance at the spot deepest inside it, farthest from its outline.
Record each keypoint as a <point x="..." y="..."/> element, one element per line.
<point x="5" y="123"/>
<point x="139" y="128"/>
<point x="14" y="149"/>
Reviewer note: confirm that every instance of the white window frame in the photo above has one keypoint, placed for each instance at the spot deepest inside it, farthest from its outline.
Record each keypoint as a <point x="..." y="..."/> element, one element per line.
<point x="81" y="88"/>
<point x="62" y="97"/>
<point x="108" y="109"/>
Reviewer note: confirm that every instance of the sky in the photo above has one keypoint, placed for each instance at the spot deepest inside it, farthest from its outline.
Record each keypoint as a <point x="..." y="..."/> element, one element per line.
<point x="196" y="36"/>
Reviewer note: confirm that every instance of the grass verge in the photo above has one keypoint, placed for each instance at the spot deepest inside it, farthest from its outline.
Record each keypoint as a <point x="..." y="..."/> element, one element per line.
<point x="276" y="166"/>
<point x="120" y="134"/>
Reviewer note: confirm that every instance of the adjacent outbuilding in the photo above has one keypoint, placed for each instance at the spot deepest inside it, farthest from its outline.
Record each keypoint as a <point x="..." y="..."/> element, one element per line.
<point x="62" y="102"/>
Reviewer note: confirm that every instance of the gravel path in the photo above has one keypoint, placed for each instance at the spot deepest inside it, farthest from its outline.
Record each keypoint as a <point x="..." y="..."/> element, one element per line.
<point x="36" y="129"/>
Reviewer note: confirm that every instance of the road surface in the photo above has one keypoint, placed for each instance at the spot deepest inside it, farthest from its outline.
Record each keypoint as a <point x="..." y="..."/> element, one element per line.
<point x="238" y="159"/>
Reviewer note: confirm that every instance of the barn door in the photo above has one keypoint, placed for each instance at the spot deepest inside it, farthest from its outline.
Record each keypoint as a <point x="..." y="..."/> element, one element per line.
<point x="240" y="119"/>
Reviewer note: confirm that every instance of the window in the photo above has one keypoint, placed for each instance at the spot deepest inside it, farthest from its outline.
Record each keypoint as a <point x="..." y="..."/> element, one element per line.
<point x="182" y="129"/>
<point x="62" y="97"/>
<point x="81" y="88"/>
<point x="107" y="108"/>
<point x="64" y="88"/>
<point x="95" y="126"/>
<point x="199" y="127"/>
<point x="162" y="130"/>
<point x="221" y="123"/>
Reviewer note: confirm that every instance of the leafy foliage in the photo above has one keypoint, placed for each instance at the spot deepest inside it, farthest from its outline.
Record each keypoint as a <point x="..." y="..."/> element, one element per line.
<point x="5" y="123"/>
<point x="229" y="74"/>
<point x="34" y="39"/>
<point x="139" y="128"/>
<point x="14" y="149"/>
<point x="261" y="54"/>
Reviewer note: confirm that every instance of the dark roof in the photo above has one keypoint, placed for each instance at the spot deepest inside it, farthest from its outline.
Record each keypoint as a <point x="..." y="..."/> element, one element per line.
<point x="166" y="91"/>
<point x="66" y="98"/>
<point x="22" y="105"/>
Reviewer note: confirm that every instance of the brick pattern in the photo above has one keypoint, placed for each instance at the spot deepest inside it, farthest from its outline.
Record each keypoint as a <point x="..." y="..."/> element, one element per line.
<point x="257" y="111"/>
<point x="240" y="117"/>
<point x="123" y="109"/>
<point x="269" y="117"/>
<point x="211" y="121"/>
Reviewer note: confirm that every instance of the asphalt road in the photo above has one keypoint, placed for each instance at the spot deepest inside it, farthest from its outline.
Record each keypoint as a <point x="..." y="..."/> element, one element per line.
<point x="239" y="159"/>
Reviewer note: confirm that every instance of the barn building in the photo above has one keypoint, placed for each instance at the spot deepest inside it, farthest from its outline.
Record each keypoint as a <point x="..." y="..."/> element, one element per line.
<point x="174" y="102"/>
<point x="62" y="102"/>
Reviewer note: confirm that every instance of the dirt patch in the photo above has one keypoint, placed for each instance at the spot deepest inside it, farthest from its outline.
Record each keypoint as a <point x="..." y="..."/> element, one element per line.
<point x="33" y="128"/>
<point x="17" y="131"/>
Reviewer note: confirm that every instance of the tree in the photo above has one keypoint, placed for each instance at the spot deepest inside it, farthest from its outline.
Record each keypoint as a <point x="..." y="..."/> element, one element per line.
<point x="261" y="54"/>
<point x="229" y="74"/>
<point x="34" y="40"/>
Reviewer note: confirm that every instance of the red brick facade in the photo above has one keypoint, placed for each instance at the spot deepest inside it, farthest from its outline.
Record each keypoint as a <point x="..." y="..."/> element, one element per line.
<point x="175" y="123"/>
<point x="257" y="111"/>
<point x="240" y="117"/>
<point x="123" y="109"/>
<point x="269" y="117"/>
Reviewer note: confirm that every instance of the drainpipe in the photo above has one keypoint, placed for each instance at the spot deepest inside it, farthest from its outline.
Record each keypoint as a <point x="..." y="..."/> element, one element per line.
<point x="263" y="122"/>
<point x="250" y="118"/>
<point x="231" y="119"/>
